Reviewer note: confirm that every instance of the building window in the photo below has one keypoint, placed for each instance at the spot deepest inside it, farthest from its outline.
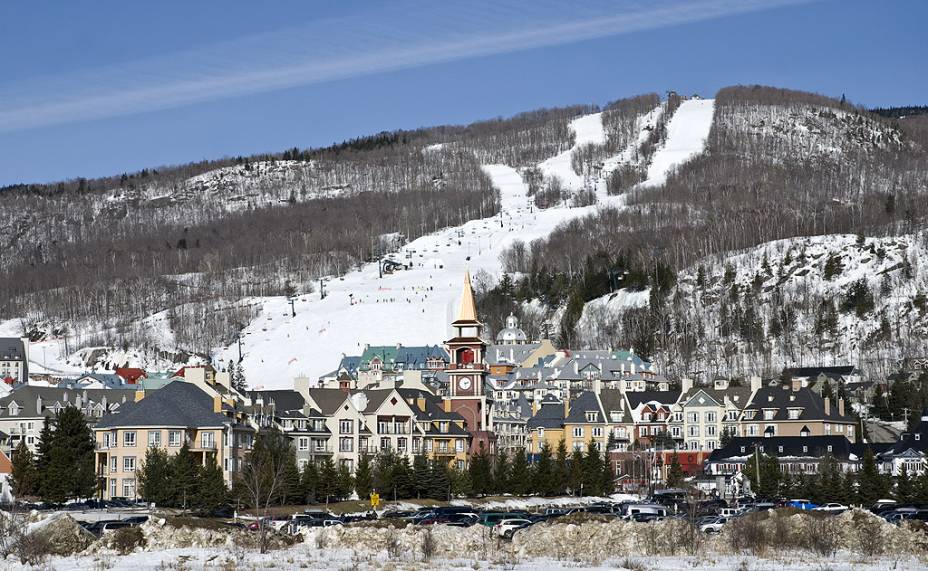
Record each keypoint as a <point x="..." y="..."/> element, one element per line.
<point x="591" y="416"/>
<point x="128" y="438"/>
<point x="128" y="488"/>
<point x="692" y="430"/>
<point x="692" y="417"/>
<point x="646" y="417"/>
<point x="597" y="432"/>
<point x="578" y="432"/>
<point x="345" y="426"/>
<point x="113" y="488"/>
<point x="769" y="414"/>
<point x="675" y="431"/>
<point x="829" y="447"/>
<point x="459" y="445"/>
<point x="207" y="440"/>
<point x="114" y="465"/>
<point x="384" y="443"/>
<point x="710" y="417"/>
<point x="710" y="430"/>
<point x="303" y="444"/>
<point x="128" y="464"/>
<point x="401" y="445"/>
<point x="154" y="438"/>
<point x="174" y="438"/>
<point x="346" y="444"/>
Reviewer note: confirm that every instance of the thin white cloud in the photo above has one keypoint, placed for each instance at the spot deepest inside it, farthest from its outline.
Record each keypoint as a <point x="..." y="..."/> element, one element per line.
<point x="382" y="40"/>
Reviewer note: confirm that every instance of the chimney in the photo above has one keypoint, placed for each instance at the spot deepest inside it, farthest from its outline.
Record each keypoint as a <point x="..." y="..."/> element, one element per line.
<point x="566" y="402"/>
<point x="217" y="404"/>
<point x="38" y="404"/>
<point x="841" y="407"/>
<point x="827" y="406"/>
<point x="597" y="385"/>
<point x="301" y="385"/>
<point x="755" y="384"/>
<point x="685" y="384"/>
<point x="795" y="384"/>
<point x="139" y="394"/>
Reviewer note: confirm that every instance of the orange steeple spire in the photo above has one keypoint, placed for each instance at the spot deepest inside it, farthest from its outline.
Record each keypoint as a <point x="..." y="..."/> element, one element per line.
<point x="468" y="310"/>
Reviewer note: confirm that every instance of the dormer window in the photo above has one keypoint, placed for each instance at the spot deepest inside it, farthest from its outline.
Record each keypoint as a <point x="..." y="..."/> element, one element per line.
<point x="646" y="417"/>
<point x="591" y="416"/>
<point x="918" y="437"/>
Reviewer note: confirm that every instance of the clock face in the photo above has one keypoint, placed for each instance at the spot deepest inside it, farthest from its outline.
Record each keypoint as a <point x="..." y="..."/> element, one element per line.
<point x="464" y="383"/>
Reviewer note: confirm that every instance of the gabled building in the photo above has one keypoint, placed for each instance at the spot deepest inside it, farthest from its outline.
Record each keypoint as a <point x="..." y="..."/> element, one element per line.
<point x="620" y="426"/>
<point x="14" y="360"/>
<point x="388" y="363"/>
<point x="796" y="455"/>
<point x="911" y="451"/>
<point x="131" y="375"/>
<point x="576" y="421"/>
<point x="650" y="412"/>
<point x="794" y="410"/>
<point x="180" y="412"/>
<point x="288" y="412"/>
<point x="23" y="412"/>
<point x="703" y="414"/>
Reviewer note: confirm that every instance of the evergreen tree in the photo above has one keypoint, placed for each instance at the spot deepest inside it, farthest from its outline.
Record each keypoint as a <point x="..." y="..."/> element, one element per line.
<point x="769" y="474"/>
<point x="185" y="469"/>
<point x="675" y="472"/>
<point x="905" y="487"/>
<point x="211" y="491"/>
<point x="326" y="486"/>
<point x="481" y="477"/>
<point x="440" y="480"/>
<point x="69" y="471"/>
<point x="787" y="486"/>
<point x="291" y="489"/>
<point x="460" y="482"/>
<point x="309" y="481"/>
<point x="544" y="472"/>
<point x="46" y="438"/>
<point x="920" y="489"/>
<point x="344" y="483"/>
<point x="364" y="477"/>
<point x="402" y="478"/>
<point x="422" y="475"/>
<point x="383" y="474"/>
<point x="871" y="486"/>
<point x="592" y="471"/>
<point x="24" y="481"/>
<point x="607" y="476"/>
<point x="501" y="473"/>
<point x="155" y="478"/>
<point x="561" y="468"/>
<point x="576" y="471"/>
<point x="519" y="475"/>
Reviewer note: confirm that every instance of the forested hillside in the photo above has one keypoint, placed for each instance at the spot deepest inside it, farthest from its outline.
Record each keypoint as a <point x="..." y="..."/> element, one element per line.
<point x="778" y="164"/>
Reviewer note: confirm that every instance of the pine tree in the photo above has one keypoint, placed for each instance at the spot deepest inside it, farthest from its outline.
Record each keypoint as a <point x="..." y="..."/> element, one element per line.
<point x="185" y="469"/>
<point x="402" y="478"/>
<point x="905" y="488"/>
<point x="327" y="487"/>
<point x="544" y="472"/>
<point x="309" y="481"/>
<point x="422" y="475"/>
<point x="291" y="489"/>
<point x="592" y="471"/>
<point x="675" y="472"/>
<point x="501" y="473"/>
<point x="363" y="477"/>
<point x="576" y="472"/>
<point x="155" y="478"/>
<point x="920" y="491"/>
<point x="440" y="481"/>
<point x="24" y="481"/>
<point x="520" y="482"/>
<point x="383" y="474"/>
<point x="871" y="486"/>
<point x="69" y="470"/>
<point x="607" y="476"/>
<point x="561" y="468"/>
<point x="344" y="483"/>
<point x="211" y="491"/>
<point x="480" y="475"/>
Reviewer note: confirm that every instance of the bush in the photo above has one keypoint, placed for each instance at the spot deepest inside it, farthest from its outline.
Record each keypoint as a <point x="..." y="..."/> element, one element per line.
<point x="747" y="534"/>
<point x="429" y="545"/>
<point x="867" y="532"/>
<point x="127" y="539"/>
<point x="823" y="535"/>
<point x="33" y="549"/>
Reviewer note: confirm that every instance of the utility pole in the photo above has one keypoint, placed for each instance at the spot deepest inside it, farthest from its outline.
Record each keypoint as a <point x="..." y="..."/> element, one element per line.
<point x="321" y="289"/>
<point x="239" y="345"/>
<point x="292" y="309"/>
<point x="757" y="467"/>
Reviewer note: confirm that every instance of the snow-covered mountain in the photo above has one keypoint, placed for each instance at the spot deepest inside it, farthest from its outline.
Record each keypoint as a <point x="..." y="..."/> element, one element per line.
<point x="723" y="191"/>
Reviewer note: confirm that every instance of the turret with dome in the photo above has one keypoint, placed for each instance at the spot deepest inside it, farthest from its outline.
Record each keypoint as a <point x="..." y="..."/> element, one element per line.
<point x="512" y="334"/>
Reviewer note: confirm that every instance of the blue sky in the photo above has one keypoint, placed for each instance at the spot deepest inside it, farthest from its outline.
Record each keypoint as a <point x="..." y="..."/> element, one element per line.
<point x="91" y="89"/>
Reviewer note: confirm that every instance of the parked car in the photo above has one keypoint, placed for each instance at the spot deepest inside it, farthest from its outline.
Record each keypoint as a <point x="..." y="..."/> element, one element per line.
<point x="490" y="519"/>
<point x="629" y="511"/>
<point x="646" y="517"/>
<point x="507" y="527"/>
<point x="801" y="504"/>
<point x="832" y="507"/>
<point x="714" y="526"/>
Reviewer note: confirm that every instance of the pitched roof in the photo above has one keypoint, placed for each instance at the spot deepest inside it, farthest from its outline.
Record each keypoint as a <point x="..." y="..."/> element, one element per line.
<point x="328" y="399"/>
<point x="784" y="398"/>
<point x="12" y="349"/>
<point x="613" y="401"/>
<point x="27" y="398"/>
<point x="284" y="400"/>
<point x="468" y="309"/>
<point x="177" y="404"/>
<point x="550" y="414"/>
<point x="796" y="446"/>
<point x="636" y="398"/>
<point x="130" y="374"/>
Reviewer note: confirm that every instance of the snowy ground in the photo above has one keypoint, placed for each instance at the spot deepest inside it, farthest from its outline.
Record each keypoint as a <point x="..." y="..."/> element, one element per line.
<point x="415" y="306"/>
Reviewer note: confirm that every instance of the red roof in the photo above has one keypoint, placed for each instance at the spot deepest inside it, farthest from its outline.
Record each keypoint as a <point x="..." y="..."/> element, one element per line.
<point x="9" y="380"/>
<point x="131" y="374"/>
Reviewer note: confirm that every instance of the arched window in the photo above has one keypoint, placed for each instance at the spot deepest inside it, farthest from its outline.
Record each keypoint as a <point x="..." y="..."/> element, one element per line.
<point x="465" y="356"/>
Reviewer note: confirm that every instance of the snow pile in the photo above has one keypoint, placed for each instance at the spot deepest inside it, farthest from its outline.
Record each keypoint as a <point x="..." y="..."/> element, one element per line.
<point x="161" y="534"/>
<point x="536" y="503"/>
<point x="61" y="534"/>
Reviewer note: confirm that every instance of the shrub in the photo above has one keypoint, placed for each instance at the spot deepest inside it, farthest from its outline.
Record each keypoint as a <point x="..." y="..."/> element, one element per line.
<point x="823" y="535"/>
<point x="429" y="545"/>
<point x="126" y="539"/>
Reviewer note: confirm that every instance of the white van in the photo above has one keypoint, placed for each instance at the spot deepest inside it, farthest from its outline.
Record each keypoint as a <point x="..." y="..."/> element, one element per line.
<point x="650" y="509"/>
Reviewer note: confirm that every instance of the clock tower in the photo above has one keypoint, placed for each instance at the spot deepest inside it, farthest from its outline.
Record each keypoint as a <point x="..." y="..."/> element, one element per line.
<point x="467" y="370"/>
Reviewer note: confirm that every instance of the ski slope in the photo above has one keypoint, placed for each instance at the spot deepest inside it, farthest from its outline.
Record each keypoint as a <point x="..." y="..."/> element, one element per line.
<point x="415" y="306"/>
<point x="687" y="133"/>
